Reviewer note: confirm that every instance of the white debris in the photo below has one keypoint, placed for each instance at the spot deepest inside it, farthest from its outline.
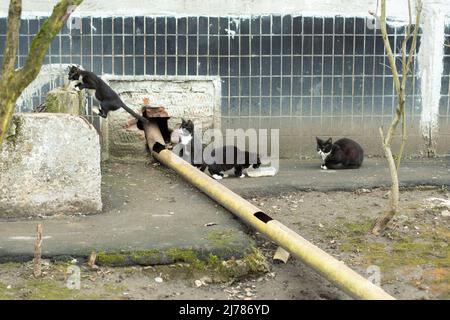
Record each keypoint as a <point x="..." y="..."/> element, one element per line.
<point x="159" y="280"/>
<point x="198" y="283"/>
<point x="261" y="172"/>
<point x="231" y="33"/>
<point x="439" y="202"/>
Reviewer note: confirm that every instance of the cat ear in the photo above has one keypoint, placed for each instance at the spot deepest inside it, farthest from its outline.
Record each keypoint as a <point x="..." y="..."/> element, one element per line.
<point x="318" y="140"/>
<point x="330" y="141"/>
<point x="190" y="123"/>
<point x="183" y="121"/>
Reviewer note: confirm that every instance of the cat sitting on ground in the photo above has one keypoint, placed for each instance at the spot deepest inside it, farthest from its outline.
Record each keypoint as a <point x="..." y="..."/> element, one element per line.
<point x="241" y="161"/>
<point x="188" y="144"/>
<point x="108" y="98"/>
<point x="342" y="154"/>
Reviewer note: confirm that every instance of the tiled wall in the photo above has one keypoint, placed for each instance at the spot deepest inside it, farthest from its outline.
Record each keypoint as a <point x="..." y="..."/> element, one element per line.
<point x="305" y="75"/>
<point x="444" y="106"/>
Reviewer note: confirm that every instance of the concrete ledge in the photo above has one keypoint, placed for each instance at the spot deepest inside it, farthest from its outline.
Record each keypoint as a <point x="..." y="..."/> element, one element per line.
<point x="50" y="164"/>
<point x="297" y="175"/>
<point x="150" y="216"/>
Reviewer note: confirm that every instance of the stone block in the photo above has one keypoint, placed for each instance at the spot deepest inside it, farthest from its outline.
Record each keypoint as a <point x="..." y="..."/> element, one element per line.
<point x="50" y="164"/>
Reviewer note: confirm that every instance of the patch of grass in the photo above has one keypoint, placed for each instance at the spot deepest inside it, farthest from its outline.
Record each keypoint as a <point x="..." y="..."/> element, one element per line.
<point x="114" y="289"/>
<point x="10" y="265"/>
<point x="359" y="228"/>
<point x="43" y="289"/>
<point x="429" y="249"/>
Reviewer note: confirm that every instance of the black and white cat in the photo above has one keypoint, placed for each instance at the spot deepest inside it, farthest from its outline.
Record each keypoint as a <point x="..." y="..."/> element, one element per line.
<point x="241" y="161"/>
<point x="190" y="148"/>
<point x="108" y="98"/>
<point x="188" y="144"/>
<point x="342" y="154"/>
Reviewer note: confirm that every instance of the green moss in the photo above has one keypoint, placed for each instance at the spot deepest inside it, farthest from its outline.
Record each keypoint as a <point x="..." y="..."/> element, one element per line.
<point x="10" y="265"/>
<point x="14" y="130"/>
<point x="221" y="238"/>
<point x="186" y="255"/>
<point x="213" y="261"/>
<point x="60" y="100"/>
<point x="5" y="294"/>
<point x="114" y="289"/>
<point x="146" y="257"/>
<point x="223" y="241"/>
<point x="111" y="259"/>
<point x="256" y="261"/>
<point x="43" y="289"/>
<point x="430" y="248"/>
<point x="253" y="262"/>
<point x="150" y="257"/>
<point x="359" y="228"/>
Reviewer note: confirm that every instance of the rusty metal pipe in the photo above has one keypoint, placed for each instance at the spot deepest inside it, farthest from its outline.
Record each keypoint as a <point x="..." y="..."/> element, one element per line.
<point x="329" y="267"/>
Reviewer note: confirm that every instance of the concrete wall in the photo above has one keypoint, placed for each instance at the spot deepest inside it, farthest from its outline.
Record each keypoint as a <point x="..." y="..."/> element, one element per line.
<point x="221" y="7"/>
<point x="183" y="97"/>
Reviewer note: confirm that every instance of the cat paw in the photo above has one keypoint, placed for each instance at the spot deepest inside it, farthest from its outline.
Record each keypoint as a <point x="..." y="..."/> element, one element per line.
<point x="242" y="176"/>
<point x="217" y="177"/>
<point x="324" y="167"/>
<point x="225" y="175"/>
<point x="96" y="110"/>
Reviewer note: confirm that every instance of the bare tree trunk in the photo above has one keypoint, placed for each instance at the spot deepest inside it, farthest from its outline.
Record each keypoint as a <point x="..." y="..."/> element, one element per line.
<point x="13" y="82"/>
<point x="400" y="88"/>
<point x="394" y="195"/>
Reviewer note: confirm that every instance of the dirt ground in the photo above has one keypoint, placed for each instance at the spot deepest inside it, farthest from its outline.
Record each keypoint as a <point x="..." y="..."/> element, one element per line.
<point x="413" y="256"/>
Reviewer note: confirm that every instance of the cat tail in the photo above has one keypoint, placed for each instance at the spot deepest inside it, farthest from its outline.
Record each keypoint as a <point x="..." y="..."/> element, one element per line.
<point x="134" y="114"/>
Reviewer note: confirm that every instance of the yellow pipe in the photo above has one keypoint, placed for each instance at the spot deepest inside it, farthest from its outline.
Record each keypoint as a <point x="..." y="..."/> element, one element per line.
<point x="329" y="267"/>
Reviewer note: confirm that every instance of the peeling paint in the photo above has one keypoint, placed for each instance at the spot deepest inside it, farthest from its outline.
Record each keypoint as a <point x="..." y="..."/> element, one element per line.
<point x="51" y="76"/>
<point x="35" y="8"/>
<point x="431" y="66"/>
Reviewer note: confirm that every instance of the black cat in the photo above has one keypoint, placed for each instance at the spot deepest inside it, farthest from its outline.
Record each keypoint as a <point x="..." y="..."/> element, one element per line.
<point x="342" y="154"/>
<point x="108" y="98"/>
<point x="188" y="144"/>
<point x="241" y="161"/>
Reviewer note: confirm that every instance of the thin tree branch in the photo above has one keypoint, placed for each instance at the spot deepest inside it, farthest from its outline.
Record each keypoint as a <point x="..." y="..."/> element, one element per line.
<point x="42" y="40"/>
<point x="387" y="45"/>
<point x="12" y="39"/>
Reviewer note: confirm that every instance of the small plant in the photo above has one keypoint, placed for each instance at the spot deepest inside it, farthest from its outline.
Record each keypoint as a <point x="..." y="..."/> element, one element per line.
<point x="400" y="79"/>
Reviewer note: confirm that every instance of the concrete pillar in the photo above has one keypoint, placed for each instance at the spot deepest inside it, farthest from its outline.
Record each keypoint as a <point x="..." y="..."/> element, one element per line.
<point x="61" y="100"/>
<point x="431" y="66"/>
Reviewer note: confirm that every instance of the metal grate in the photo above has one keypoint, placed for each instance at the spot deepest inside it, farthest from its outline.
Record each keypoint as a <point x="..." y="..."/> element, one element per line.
<point x="444" y="106"/>
<point x="290" y="68"/>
